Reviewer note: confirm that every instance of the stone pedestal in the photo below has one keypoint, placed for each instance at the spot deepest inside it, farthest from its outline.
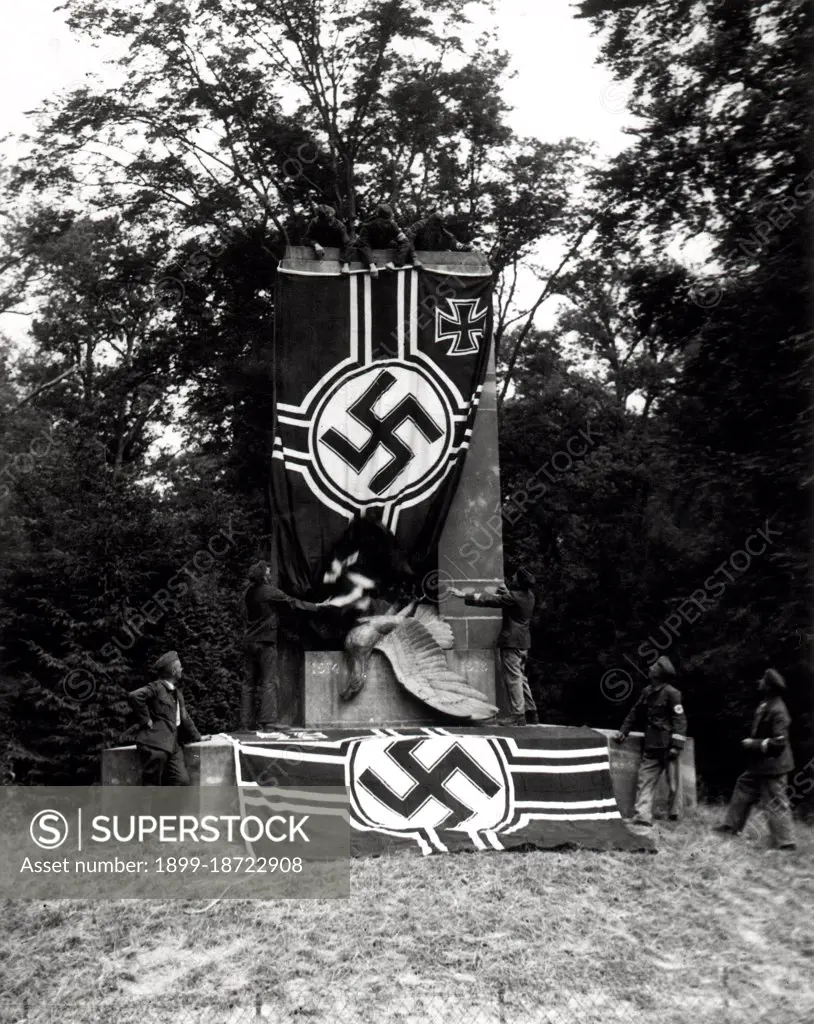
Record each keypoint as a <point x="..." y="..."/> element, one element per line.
<point x="470" y="555"/>
<point x="624" y="761"/>
<point x="209" y="763"/>
<point x="470" y="552"/>
<point x="382" y="701"/>
<point x="212" y="763"/>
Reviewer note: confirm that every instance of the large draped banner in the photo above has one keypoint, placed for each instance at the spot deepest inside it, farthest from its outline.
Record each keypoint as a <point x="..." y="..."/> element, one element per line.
<point x="377" y="383"/>
<point x="437" y="790"/>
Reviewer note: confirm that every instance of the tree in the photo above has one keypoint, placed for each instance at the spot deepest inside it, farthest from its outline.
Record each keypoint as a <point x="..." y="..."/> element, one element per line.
<point x="229" y="124"/>
<point x="98" y="311"/>
<point x="721" y="94"/>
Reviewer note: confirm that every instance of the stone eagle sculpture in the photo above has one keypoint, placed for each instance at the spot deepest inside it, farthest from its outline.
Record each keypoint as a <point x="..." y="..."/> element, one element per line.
<point x="413" y="641"/>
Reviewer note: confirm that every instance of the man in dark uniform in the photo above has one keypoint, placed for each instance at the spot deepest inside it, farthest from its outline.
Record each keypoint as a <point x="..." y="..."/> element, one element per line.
<point x="324" y="230"/>
<point x="771" y="759"/>
<point x="517" y="602"/>
<point x="164" y="725"/>
<point x="382" y="232"/>
<point x="660" y="711"/>
<point x="261" y="685"/>
<point x="432" y="235"/>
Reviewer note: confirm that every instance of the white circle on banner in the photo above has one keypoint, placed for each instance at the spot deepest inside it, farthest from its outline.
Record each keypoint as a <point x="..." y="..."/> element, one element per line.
<point x="439" y="782"/>
<point x="382" y="432"/>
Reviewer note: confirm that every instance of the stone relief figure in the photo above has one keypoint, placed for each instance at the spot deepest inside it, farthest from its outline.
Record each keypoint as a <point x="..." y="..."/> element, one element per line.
<point x="412" y="640"/>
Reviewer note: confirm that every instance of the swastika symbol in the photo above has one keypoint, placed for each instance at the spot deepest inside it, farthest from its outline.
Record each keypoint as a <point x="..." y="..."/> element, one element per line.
<point x="382" y="431"/>
<point x="430" y="782"/>
<point x="462" y="324"/>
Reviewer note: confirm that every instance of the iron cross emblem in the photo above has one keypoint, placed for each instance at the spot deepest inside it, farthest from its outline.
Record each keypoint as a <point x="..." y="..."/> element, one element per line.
<point x="462" y="324"/>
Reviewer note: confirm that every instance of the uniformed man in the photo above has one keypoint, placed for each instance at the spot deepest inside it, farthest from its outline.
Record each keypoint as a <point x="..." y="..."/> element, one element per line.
<point x="261" y="685"/>
<point x="164" y="725"/>
<point x="324" y="230"/>
<point x="661" y="714"/>
<point x="517" y="603"/>
<point x="770" y="761"/>
<point x="382" y="232"/>
<point x="432" y="235"/>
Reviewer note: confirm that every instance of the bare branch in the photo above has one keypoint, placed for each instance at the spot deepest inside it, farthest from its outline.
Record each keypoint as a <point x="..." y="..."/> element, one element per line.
<point x="44" y="387"/>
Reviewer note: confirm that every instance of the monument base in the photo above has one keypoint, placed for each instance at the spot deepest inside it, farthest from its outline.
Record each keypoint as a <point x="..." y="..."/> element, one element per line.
<point x="625" y="759"/>
<point x="212" y="763"/>
<point x="382" y="701"/>
<point x="435" y="789"/>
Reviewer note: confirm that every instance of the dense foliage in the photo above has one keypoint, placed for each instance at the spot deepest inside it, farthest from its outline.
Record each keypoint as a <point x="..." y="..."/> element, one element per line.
<point x="150" y="216"/>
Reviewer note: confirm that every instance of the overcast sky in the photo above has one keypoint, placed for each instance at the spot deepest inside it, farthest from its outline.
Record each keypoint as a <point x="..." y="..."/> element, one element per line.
<point x="559" y="89"/>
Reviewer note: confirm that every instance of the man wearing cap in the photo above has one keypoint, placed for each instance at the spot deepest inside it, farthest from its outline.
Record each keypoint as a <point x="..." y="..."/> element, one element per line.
<point x="164" y="725"/>
<point x="261" y="686"/>
<point x="660" y="711"/>
<point x="432" y="235"/>
<point x="382" y="232"/>
<point x="324" y="230"/>
<point x="516" y="600"/>
<point x="770" y="761"/>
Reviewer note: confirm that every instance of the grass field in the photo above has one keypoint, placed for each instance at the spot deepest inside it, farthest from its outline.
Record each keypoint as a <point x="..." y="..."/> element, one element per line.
<point x="706" y="930"/>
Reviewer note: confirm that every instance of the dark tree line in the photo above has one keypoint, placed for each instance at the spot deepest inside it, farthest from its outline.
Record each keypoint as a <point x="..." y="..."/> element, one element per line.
<point x="148" y="221"/>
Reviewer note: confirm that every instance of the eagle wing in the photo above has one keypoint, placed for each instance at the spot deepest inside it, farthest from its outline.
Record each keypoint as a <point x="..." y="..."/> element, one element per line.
<point x="438" y="627"/>
<point x="419" y="665"/>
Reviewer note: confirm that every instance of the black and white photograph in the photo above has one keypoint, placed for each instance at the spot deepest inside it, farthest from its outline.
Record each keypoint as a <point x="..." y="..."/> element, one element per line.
<point x="405" y="512"/>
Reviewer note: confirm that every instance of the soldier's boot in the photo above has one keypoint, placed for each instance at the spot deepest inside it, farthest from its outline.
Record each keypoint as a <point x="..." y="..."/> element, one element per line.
<point x="512" y="720"/>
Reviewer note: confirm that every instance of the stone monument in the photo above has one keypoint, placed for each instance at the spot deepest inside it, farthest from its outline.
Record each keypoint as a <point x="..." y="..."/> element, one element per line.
<point x="316" y="677"/>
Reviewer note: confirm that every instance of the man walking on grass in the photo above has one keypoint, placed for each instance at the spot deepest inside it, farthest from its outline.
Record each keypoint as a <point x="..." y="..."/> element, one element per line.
<point x="770" y="761"/>
<point x="517" y="603"/>
<point x="660" y="711"/>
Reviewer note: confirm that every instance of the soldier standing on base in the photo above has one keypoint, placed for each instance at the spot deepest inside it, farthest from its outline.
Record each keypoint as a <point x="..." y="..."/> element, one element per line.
<point x="665" y="726"/>
<point x="261" y="686"/>
<point x="517" y="603"/>
<point x="771" y="760"/>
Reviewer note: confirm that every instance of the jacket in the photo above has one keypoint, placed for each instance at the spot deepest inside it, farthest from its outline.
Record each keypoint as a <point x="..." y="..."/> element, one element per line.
<point x="660" y="711"/>
<point x="771" y="755"/>
<point x="381" y="233"/>
<point x="331" y="233"/>
<point x="158" y="709"/>
<point x="517" y="606"/>
<point x="429" y="237"/>
<point x="263" y="604"/>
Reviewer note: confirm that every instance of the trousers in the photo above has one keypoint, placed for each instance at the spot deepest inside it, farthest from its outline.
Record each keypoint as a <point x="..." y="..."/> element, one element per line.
<point x="513" y="670"/>
<point x="261" y="686"/>
<point x="653" y="764"/>
<point x="163" y="768"/>
<point x="770" y="790"/>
